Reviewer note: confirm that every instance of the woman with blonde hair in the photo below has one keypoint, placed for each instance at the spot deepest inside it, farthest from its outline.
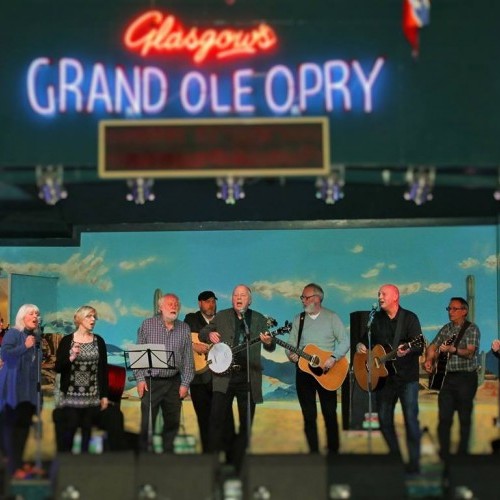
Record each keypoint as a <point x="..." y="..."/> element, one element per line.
<point x="18" y="385"/>
<point x="81" y="359"/>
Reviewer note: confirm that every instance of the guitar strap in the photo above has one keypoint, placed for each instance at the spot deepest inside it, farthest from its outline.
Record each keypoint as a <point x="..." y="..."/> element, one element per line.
<point x="461" y="333"/>
<point x="399" y="328"/>
<point x="301" y="326"/>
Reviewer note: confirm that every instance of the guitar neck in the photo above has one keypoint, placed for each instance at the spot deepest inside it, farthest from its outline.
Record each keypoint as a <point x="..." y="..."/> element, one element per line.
<point x="280" y="331"/>
<point x="241" y="347"/>
<point x="293" y="349"/>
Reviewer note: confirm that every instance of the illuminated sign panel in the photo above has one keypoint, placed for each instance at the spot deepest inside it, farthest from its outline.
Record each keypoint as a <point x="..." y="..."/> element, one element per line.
<point x="213" y="148"/>
<point x="349" y="62"/>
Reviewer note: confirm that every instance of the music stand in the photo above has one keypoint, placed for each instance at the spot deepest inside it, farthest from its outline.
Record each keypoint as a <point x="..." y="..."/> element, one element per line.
<point x="147" y="357"/>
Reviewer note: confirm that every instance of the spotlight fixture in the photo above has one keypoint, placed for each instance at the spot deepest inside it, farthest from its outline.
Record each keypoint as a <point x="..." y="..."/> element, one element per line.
<point x="141" y="190"/>
<point x="496" y="194"/>
<point x="421" y="182"/>
<point x="330" y="188"/>
<point x="49" y="180"/>
<point x="230" y="189"/>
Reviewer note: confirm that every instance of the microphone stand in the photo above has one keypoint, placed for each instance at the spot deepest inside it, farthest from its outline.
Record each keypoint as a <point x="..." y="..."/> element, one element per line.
<point x="370" y="388"/>
<point x="249" y="391"/>
<point x="38" y="428"/>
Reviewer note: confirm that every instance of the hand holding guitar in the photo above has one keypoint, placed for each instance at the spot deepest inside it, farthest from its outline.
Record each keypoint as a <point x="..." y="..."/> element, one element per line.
<point x="329" y="363"/>
<point x="214" y="337"/>
<point x="266" y="338"/>
<point x="451" y="349"/>
<point x="403" y="350"/>
<point x="200" y="347"/>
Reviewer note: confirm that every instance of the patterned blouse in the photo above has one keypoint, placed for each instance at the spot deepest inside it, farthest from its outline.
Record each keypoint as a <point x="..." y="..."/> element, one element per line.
<point x="83" y="390"/>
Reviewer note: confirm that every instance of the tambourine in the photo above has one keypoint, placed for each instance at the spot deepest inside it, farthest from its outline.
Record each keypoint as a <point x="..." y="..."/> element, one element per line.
<point x="220" y="358"/>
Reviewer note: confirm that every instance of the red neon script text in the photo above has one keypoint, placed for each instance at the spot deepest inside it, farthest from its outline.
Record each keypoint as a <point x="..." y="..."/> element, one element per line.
<point x="155" y="32"/>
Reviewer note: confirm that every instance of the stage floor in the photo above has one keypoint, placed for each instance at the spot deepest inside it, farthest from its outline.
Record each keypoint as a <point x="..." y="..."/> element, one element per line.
<point x="278" y="427"/>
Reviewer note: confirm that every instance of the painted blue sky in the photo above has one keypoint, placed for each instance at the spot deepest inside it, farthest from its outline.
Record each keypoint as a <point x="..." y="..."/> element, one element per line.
<point x="118" y="273"/>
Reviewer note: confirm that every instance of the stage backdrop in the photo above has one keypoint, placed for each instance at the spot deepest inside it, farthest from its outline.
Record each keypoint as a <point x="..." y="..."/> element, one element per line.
<point x="118" y="273"/>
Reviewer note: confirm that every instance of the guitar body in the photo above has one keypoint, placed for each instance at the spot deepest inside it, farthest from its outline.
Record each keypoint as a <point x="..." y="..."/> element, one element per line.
<point x="116" y="382"/>
<point x="436" y="379"/>
<point x="379" y="369"/>
<point x="330" y="380"/>
<point x="200" y="360"/>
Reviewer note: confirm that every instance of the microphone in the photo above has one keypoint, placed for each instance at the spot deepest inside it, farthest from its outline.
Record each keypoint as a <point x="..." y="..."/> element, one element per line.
<point x="371" y="316"/>
<point x="247" y="330"/>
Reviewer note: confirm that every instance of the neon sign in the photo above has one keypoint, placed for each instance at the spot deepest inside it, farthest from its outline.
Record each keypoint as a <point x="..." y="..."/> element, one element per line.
<point x="68" y="85"/>
<point x="156" y="33"/>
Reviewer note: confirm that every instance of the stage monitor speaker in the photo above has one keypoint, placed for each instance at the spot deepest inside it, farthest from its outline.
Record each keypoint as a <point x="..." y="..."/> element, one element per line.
<point x="111" y="475"/>
<point x="285" y="476"/>
<point x="473" y="476"/>
<point x="366" y="476"/>
<point x="355" y="403"/>
<point x="182" y="477"/>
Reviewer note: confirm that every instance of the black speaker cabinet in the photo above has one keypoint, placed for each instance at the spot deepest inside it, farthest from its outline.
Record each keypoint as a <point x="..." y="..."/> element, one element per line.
<point x="180" y="477"/>
<point x="110" y="475"/>
<point x="473" y="476"/>
<point x="284" y="476"/>
<point x="355" y="402"/>
<point x="358" y="476"/>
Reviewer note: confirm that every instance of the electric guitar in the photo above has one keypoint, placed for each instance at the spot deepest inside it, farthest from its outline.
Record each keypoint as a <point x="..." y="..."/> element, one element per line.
<point x="436" y="378"/>
<point x="312" y="360"/>
<point x="380" y="369"/>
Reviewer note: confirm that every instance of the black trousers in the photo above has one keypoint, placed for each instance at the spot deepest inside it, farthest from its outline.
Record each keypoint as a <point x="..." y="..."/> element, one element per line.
<point x="201" y="396"/>
<point x="16" y="427"/>
<point x="456" y="395"/>
<point x="68" y="420"/>
<point x="307" y="388"/>
<point x="222" y="430"/>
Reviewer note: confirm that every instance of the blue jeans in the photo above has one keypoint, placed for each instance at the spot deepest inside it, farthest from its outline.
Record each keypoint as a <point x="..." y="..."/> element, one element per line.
<point x="387" y="398"/>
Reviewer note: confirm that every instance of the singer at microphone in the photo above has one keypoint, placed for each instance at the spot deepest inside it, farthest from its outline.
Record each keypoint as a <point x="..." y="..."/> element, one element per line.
<point x="243" y="380"/>
<point x="396" y="327"/>
<point x="19" y="386"/>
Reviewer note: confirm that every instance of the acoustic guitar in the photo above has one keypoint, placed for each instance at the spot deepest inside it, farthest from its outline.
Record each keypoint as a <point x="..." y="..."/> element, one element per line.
<point x="200" y="360"/>
<point x="380" y="368"/>
<point x="312" y="361"/>
<point x="436" y="378"/>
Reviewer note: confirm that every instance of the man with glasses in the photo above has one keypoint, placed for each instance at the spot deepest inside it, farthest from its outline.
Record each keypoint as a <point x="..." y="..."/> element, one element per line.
<point x="458" y="338"/>
<point x="323" y="328"/>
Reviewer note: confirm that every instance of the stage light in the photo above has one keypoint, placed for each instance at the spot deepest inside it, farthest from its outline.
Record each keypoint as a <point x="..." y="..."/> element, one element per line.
<point x="330" y="188"/>
<point x="50" y="183"/>
<point x="421" y="182"/>
<point x="141" y="190"/>
<point x="230" y="189"/>
<point x="496" y="194"/>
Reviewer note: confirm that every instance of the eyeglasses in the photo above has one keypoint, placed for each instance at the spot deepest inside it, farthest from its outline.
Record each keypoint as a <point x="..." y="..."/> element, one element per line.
<point x="454" y="308"/>
<point x="307" y="297"/>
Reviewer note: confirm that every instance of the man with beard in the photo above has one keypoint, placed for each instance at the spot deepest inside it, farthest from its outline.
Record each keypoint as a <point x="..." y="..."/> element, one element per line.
<point x="169" y="385"/>
<point x="323" y="328"/>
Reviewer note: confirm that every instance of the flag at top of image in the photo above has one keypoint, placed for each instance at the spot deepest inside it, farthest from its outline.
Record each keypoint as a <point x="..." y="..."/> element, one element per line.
<point x="416" y="14"/>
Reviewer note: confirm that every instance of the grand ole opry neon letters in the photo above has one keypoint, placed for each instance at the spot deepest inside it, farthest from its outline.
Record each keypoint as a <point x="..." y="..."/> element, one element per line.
<point x="69" y="85"/>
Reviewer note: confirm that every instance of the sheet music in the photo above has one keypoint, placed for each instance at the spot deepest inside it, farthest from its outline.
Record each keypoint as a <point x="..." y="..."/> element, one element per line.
<point x="138" y="356"/>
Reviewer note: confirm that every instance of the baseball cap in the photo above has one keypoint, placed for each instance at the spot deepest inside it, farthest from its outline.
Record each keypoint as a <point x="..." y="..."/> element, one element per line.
<point x="207" y="294"/>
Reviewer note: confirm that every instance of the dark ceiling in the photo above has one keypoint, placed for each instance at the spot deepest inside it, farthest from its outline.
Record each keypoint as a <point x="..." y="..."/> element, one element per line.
<point x="99" y="205"/>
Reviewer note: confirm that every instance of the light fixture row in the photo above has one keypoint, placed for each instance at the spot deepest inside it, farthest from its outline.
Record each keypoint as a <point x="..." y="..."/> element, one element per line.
<point x="420" y="182"/>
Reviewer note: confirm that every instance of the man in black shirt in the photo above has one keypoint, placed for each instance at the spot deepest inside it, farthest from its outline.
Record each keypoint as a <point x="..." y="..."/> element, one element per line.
<point x="394" y="326"/>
